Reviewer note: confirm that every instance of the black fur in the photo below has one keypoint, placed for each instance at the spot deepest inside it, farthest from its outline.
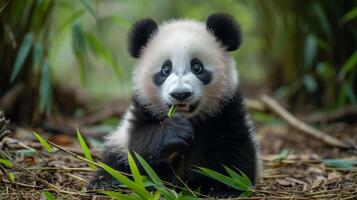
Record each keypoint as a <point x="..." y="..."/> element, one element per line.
<point x="225" y="29"/>
<point x="179" y="144"/>
<point x="139" y="35"/>
<point x="205" y="76"/>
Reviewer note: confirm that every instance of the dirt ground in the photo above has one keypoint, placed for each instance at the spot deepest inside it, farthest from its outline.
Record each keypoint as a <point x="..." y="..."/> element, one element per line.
<point x="299" y="173"/>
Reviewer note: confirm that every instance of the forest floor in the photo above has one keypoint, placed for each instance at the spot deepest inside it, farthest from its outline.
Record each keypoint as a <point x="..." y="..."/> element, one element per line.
<point x="294" y="165"/>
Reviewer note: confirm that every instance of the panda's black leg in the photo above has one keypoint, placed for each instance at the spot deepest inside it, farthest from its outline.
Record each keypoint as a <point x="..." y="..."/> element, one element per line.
<point x="102" y="179"/>
<point x="235" y="153"/>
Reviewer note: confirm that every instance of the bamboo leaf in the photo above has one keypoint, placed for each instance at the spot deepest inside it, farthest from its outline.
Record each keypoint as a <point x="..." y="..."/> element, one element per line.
<point x="240" y="178"/>
<point x="350" y="15"/>
<point x="21" y="56"/>
<point x="45" y="88"/>
<point x="11" y="177"/>
<point x="246" y="193"/>
<point x="155" y="178"/>
<point x="7" y="163"/>
<point x="48" y="195"/>
<point x="349" y="92"/>
<point x="157" y="195"/>
<point x="85" y="149"/>
<point x="310" y="50"/>
<point x="103" y="53"/>
<point x="221" y="178"/>
<point x="135" y="171"/>
<point x="310" y="83"/>
<point x="88" y="7"/>
<point x="126" y="181"/>
<point x="43" y="142"/>
<point x="282" y="155"/>
<point x="37" y="54"/>
<point x="341" y="164"/>
<point x="79" y="47"/>
<point x="350" y="64"/>
<point x="120" y="196"/>
<point x="68" y="21"/>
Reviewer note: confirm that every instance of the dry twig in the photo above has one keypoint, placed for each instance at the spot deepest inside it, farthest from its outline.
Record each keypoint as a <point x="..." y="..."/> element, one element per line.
<point x="275" y="107"/>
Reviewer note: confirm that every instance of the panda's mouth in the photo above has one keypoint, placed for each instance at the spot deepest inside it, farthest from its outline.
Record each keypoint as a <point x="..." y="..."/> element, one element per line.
<point x="185" y="107"/>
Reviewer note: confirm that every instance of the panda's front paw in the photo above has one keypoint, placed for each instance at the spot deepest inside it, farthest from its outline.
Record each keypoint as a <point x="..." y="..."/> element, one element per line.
<point x="179" y="132"/>
<point x="102" y="181"/>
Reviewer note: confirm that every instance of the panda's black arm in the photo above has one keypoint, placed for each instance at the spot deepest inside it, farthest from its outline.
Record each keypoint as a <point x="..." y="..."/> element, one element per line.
<point x="157" y="140"/>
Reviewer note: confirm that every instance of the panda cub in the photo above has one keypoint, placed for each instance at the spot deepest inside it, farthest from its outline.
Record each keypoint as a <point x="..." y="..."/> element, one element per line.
<point x="187" y="64"/>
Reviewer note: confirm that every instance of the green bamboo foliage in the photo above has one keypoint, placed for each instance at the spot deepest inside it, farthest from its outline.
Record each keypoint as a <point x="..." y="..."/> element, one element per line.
<point x="26" y="40"/>
<point x="313" y="47"/>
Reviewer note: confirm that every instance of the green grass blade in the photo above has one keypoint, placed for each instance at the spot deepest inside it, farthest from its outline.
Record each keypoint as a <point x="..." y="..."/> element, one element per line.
<point x="11" y="177"/>
<point x="135" y="171"/>
<point x="7" y="163"/>
<point x="126" y="181"/>
<point x="244" y="180"/>
<point x="221" y="178"/>
<point x="48" y="195"/>
<point x="43" y="142"/>
<point x="85" y="149"/>
<point x="155" y="178"/>
<point x="21" y="55"/>
<point x="120" y="196"/>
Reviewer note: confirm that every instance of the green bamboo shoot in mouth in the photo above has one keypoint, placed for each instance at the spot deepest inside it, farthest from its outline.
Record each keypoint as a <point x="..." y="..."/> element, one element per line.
<point x="171" y="111"/>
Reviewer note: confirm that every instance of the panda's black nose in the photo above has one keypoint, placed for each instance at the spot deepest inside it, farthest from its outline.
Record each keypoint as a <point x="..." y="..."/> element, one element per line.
<point x="180" y="96"/>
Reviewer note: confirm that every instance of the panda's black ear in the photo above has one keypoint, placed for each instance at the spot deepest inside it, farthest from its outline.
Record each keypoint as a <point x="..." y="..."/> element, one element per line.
<point x="139" y="35"/>
<point x="226" y="30"/>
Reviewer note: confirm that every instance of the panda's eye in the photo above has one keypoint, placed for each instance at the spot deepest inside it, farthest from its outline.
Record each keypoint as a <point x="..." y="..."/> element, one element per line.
<point x="166" y="68"/>
<point x="196" y="66"/>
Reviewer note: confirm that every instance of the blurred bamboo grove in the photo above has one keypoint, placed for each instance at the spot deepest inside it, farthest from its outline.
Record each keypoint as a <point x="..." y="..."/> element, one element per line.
<point x="303" y="51"/>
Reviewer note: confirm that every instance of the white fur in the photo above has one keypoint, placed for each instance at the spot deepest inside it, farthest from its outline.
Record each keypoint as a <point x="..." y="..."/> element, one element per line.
<point x="119" y="139"/>
<point x="180" y="41"/>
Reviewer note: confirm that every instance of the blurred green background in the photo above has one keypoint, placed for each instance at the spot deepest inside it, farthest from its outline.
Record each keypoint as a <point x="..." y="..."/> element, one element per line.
<point x="303" y="52"/>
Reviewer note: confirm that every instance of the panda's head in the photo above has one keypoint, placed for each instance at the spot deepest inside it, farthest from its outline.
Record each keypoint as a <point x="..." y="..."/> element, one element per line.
<point x="185" y="63"/>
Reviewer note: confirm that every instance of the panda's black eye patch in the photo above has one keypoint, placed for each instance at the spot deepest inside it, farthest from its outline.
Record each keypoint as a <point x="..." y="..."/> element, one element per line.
<point x="160" y="77"/>
<point x="201" y="73"/>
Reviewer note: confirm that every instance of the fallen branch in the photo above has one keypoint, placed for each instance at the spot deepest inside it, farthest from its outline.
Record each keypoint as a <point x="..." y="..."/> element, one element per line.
<point x="255" y="105"/>
<point x="275" y="107"/>
<point x="346" y="114"/>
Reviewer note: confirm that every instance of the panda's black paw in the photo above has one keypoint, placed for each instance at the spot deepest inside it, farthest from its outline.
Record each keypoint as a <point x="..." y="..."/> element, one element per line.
<point x="224" y="194"/>
<point x="179" y="132"/>
<point x="103" y="181"/>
